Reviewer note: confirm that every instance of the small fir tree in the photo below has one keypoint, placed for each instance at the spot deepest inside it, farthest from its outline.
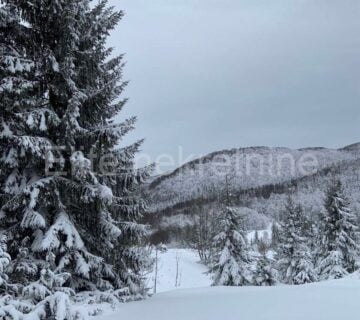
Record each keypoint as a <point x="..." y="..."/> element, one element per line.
<point x="232" y="266"/>
<point x="265" y="273"/>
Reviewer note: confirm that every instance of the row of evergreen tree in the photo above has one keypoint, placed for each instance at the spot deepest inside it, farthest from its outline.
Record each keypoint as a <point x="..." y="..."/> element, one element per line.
<point x="65" y="225"/>
<point x="306" y="250"/>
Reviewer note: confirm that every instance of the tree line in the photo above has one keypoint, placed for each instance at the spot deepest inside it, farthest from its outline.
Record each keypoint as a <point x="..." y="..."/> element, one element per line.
<point x="302" y="248"/>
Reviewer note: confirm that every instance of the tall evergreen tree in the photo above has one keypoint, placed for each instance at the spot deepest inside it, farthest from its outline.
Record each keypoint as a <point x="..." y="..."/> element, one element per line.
<point x="232" y="265"/>
<point x="65" y="210"/>
<point x="339" y="246"/>
<point x="275" y="235"/>
<point x="294" y="258"/>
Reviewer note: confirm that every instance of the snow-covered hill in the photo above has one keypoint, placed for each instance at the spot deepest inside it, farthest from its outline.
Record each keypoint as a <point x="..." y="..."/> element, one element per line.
<point x="175" y="198"/>
<point x="310" y="191"/>
<point x="247" y="167"/>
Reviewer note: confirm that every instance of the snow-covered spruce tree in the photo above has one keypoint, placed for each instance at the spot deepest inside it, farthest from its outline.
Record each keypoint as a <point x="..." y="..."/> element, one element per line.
<point x="294" y="258"/>
<point x="232" y="258"/>
<point x="4" y="262"/>
<point x="265" y="274"/>
<point x="42" y="299"/>
<point x="60" y="208"/>
<point x="339" y="246"/>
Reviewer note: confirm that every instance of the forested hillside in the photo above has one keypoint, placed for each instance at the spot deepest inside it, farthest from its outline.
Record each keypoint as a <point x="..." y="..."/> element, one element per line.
<point x="176" y="199"/>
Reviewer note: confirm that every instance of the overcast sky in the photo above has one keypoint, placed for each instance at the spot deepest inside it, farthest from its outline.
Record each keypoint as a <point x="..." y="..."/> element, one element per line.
<point x="208" y="75"/>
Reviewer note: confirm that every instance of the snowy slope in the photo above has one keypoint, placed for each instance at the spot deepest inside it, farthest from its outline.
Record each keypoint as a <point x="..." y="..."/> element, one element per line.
<point x="248" y="167"/>
<point x="191" y="274"/>
<point x="332" y="300"/>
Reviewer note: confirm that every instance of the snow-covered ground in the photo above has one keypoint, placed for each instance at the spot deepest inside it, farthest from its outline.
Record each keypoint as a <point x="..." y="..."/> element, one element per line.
<point x="265" y="234"/>
<point x="185" y="264"/>
<point x="331" y="300"/>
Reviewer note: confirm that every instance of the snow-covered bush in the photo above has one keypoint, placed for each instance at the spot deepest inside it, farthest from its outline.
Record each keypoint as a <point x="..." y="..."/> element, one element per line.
<point x="265" y="274"/>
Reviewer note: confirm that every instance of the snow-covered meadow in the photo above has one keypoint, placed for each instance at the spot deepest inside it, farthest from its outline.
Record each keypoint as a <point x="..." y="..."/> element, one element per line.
<point x="330" y="300"/>
<point x="179" y="269"/>
<point x="338" y="299"/>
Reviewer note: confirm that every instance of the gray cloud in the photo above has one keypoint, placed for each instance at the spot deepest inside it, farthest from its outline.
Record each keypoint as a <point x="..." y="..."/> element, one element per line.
<point x="209" y="75"/>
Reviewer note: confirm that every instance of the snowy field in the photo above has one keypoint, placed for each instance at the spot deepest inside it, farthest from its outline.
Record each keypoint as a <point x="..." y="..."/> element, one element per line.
<point x="179" y="269"/>
<point x="323" y="301"/>
<point x="265" y="234"/>
<point x="332" y="300"/>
